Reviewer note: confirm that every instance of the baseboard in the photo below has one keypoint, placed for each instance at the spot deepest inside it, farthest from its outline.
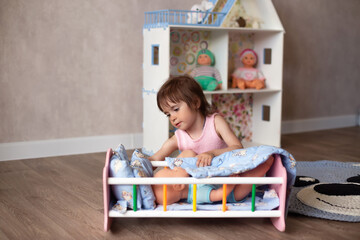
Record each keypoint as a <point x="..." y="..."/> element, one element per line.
<point x="69" y="146"/>
<point x="315" y="124"/>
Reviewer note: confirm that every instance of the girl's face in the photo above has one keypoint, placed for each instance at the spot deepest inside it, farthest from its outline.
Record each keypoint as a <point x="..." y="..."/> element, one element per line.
<point x="204" y="59"/>
<point x="249" y="60"/>
<point x="180" y="114"/>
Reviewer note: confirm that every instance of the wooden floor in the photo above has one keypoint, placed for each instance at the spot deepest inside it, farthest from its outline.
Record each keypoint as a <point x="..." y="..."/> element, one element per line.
<point x="61" y="198"/>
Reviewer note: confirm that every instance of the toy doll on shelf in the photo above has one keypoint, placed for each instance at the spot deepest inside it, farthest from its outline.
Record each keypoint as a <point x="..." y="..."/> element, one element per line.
<point x="205" y="73"/>
<point x="248" y="76"/>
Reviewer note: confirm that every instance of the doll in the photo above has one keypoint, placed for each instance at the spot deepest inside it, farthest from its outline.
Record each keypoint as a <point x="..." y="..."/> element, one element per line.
<point x="248" y="76"/>
<point x="205" y="73"/>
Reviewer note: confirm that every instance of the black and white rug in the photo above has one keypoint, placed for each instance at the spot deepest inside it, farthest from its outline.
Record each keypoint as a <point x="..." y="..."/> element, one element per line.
<point x="327" y="189"/>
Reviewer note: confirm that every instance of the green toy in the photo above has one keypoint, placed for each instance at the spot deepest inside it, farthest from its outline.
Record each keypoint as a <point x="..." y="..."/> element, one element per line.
<point x="205" y="73"/>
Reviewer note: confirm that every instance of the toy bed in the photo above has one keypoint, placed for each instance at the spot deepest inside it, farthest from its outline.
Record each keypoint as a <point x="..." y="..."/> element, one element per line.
<point x="276" y="179"/>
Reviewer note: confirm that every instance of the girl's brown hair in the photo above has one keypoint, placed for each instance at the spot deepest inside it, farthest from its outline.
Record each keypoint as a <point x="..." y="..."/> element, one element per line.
<point x="186" y="89"/>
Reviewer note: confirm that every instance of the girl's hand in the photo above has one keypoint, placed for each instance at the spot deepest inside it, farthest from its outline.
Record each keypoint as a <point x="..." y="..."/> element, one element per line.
<point x="204" y="159"/>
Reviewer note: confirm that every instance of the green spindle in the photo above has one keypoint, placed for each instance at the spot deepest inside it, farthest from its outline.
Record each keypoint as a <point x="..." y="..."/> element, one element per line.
<point x="134" y="198"/>
<point x="253" y="194"/>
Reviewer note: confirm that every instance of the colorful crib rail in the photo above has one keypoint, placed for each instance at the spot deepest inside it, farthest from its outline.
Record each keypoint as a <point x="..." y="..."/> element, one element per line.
<point x="276" y="179"/>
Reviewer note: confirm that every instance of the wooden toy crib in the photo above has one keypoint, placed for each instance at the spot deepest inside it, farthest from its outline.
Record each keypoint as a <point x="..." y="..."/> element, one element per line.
<point x="276" y="178"/>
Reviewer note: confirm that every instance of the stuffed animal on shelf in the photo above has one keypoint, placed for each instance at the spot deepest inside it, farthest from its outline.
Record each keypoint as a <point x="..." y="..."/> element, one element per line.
<point x="241" y="22"/>
<point x="248" y="76"/>
<point x="201" y="9"/>
<point x="205" y="73"/>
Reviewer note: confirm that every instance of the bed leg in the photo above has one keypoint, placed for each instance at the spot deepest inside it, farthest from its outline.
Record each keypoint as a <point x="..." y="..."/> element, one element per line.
<point x="106" y="191"/>
<point x="278" y="170"/>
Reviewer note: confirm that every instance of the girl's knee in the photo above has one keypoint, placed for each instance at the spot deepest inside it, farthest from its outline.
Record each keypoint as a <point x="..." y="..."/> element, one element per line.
<point x="265" y="166"/>
<point x="270" y="161"/>
<point x="260" y="170"/>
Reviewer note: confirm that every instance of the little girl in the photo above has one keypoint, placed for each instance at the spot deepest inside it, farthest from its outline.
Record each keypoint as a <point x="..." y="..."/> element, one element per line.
<point x="200" y="133"/>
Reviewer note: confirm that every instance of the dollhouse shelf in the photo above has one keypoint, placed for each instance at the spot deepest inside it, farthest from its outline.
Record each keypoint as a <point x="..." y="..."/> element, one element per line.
<point x="171" y="42"/>
<point x="227" y="29"/>
<point x="236" y="90"/>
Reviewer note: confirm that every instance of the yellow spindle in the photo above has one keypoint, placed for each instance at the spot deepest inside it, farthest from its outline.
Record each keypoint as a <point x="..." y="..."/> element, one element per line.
<point x="224" y="198"/>
<point x="194" y="197"/>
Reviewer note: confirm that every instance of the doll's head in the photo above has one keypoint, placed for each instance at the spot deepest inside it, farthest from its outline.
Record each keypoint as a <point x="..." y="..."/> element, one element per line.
<point x="175" y="192"/>
<point x="248" y="57"/>
<point x="186" y="89"/>
<point x="205" y="58"/>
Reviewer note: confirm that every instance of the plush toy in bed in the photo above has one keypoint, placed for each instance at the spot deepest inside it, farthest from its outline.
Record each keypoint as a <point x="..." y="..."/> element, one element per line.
<point x="120" y="167"/>
<point x="142" y="168"/>
<point x="139" y="166"/>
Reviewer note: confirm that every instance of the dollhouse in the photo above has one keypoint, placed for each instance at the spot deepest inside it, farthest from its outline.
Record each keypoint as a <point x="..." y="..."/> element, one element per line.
<point x="172" y="39"/>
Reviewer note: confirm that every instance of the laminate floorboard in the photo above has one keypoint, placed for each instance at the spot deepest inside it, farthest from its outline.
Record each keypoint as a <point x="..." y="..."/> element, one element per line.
<point x="61" y="198"/>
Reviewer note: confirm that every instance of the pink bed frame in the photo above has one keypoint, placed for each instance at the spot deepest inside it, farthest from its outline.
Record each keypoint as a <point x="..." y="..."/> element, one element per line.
<point x="277" y="170"/>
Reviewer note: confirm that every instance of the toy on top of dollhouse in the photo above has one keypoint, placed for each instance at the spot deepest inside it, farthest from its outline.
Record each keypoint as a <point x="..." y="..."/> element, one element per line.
<point x="212" y="13"/>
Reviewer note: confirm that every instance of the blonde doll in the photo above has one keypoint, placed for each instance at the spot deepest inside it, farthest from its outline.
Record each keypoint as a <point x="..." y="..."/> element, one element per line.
<point x="200" y="133"/>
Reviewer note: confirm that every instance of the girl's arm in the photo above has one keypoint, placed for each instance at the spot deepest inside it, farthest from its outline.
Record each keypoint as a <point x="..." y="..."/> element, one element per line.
<point x="167" y="148"/>
<point x="226" y="133"/>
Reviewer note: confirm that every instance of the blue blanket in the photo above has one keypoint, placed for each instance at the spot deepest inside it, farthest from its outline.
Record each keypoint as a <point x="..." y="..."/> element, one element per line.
<point x="236" y="161"/>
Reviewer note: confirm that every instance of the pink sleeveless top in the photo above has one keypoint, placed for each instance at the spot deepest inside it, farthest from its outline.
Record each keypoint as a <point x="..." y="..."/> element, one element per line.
<point x="209" y="139"/>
